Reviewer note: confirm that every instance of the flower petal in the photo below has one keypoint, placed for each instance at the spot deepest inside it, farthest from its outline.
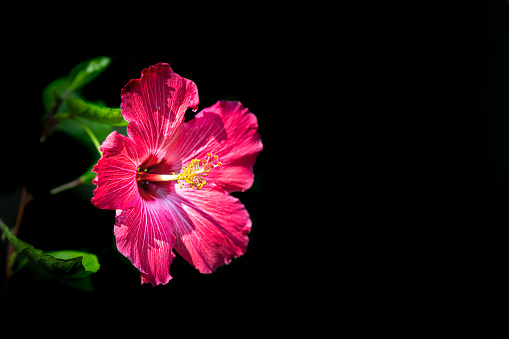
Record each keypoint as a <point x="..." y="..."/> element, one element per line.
<point x="145" y="236"/>
<point x="154" y="106"/>
<point x="211" y="227"/>
<point x="230" y="131"/>
<point x="117" y="187"/>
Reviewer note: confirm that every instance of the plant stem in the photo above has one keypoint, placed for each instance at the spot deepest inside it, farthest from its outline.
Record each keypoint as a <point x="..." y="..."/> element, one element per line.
<point x="67" y="186"/>
<point x="50" y="121"/>
<point x="90" y="134"/>
<point x="26" y="197"/>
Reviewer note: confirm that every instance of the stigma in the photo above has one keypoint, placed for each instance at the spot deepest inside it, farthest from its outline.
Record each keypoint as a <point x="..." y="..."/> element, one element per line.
<point x="193" y="175"/>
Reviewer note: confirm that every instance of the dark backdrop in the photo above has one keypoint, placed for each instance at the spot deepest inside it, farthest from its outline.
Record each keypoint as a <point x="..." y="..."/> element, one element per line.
<point x="410" y="102"/>
<point x="226" y="65"/>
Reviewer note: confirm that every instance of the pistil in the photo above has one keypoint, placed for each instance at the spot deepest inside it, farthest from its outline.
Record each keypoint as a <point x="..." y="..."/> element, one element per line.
<point x="193" y="174"/>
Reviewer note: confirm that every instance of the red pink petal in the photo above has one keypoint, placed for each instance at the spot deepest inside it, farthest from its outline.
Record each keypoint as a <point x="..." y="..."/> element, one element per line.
<point x="145" y="236"/>
<point x="211" y="227"/>
<point x="154" y="105"/>
<point x="116" y="174"/>
<point x="230" y="131"/>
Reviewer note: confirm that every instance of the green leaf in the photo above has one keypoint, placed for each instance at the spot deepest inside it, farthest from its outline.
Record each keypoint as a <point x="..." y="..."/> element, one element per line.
<point x="86" y="71"/>
<point x="82" y="284"/>
<point x="89" y="261"/>
<point x="79" y="76"/>
<point x="71" y="267"/>
<point x="96" y="113"/>
<point x="75" y="129"/>
<point x="53" y="92"/>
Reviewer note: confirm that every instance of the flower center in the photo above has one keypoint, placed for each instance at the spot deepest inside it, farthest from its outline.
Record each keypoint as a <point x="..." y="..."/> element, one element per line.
<point x="193" y="174"/>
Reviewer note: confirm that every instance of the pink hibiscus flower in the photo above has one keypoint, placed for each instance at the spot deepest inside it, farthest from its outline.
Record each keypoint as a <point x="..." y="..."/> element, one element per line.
<point x="169" y="181"/>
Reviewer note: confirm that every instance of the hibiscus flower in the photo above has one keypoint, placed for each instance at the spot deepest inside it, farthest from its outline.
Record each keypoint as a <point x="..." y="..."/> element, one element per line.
<point x="169" y="181"/>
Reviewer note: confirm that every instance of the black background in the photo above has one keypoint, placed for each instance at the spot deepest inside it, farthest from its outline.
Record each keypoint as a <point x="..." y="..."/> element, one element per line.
<point x="233" y="61"/>
<point x="463" y="201"/>
<point x="381" y="195"/>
